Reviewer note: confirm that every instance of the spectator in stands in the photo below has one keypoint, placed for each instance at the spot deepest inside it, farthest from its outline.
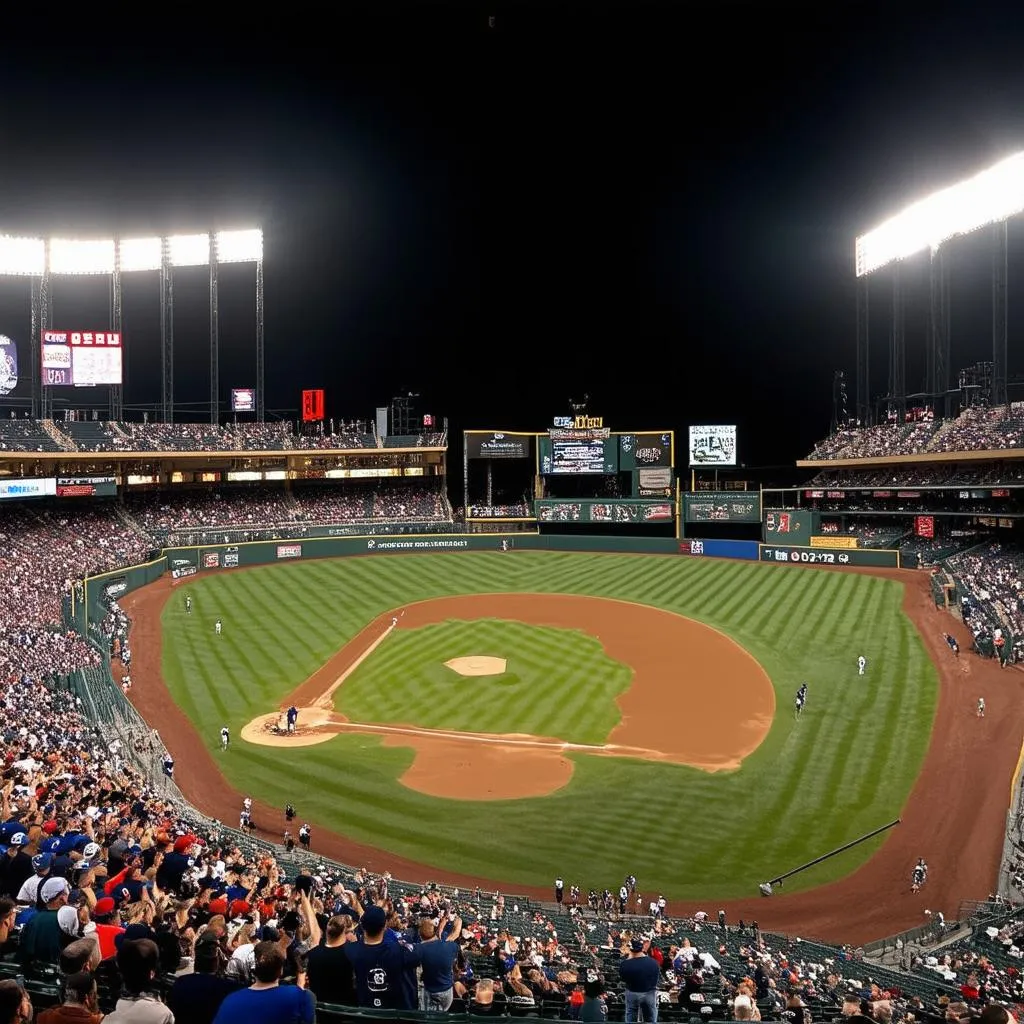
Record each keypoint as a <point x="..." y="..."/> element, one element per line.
<point x="266" y="1001"/>
<point x="138" y="961"/>
<point x="15" y="1005"/>
<point x="382" y="968"/>
<point x="328" y="971"/>
<point x="197" y="997"/>
<point x="81" y="1002"/>
<point x="640" y="974"/>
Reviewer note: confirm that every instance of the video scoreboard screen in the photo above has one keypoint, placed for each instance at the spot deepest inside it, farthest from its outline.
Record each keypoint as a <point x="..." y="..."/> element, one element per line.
<point x="578" y="457"/>
<point x="81" y="359"/>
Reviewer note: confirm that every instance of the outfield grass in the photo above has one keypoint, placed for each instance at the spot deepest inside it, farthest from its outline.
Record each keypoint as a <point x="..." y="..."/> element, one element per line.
<point x="845" y="768"/>
<point x="558" y="682"/>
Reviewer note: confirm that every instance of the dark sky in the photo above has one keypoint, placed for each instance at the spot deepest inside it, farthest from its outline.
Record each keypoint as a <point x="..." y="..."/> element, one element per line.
<point x="654" y="203"/>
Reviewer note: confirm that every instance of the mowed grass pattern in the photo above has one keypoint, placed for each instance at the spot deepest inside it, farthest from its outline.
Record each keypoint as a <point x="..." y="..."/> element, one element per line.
<point x="845" y="768"/>
<point x="557" y="683"/>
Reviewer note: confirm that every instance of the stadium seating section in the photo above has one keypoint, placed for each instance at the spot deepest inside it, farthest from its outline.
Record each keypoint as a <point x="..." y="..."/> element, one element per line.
<point x="100" y="436"/>
<point x="977" y="428"/>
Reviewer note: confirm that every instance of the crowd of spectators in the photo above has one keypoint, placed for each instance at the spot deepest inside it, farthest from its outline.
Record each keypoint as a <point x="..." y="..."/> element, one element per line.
<point x="162" y="513"/>
<point x="43" y="551"/>
<point x="25" y="435"/>
<point x="987" y="474"/>
<point x="977" y="428"/>
<point x="94" y="435"/>
<point x="991" y="580"/>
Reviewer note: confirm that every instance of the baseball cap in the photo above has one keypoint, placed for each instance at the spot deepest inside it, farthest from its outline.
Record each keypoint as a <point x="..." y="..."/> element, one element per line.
<point x="637" y="945"/>
<point x="104" y="907"/>
<point x="42" y="861"/>
<point x="67" y="921"/>
<point x="91" y="850"/>
<point x="18" y="839"/>
<point x="52" y="888"/>
<point x="374" y="919"/>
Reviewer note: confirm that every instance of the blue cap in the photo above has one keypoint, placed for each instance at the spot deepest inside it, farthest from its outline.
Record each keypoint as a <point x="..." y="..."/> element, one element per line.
<point x="42" y="861"/>
<point x="374" y="919"/>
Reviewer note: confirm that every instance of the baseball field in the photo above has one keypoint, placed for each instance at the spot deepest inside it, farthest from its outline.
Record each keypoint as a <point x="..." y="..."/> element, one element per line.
<point x="513" y="717"/>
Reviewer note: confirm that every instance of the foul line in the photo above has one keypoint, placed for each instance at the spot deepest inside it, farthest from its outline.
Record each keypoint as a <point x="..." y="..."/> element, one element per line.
<point x="497" y="740"/>
<point x="324" y="700"/>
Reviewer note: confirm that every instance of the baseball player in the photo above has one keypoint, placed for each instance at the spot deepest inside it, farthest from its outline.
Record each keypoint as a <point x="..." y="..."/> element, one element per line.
<point x="188" y="604"/>
<point x="217" y="627"/>
<point x="225" y="738"/>
<point x="394" y="621"/>
<point x="919" y="875"/>
<point x="801" y="698"/>
<point x="981" y="707"/>
<point x="305" y="836"/>
<point x="862" y="663"/>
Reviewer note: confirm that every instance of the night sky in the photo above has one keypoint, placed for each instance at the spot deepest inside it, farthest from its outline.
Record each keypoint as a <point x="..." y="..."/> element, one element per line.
<point x="652" y="203"/>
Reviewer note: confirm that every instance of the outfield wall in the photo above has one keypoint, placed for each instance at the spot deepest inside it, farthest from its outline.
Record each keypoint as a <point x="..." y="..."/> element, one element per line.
<point x="189" y="561"/>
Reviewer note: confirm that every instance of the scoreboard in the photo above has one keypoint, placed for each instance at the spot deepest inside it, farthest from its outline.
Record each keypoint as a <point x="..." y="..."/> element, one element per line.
<point x="593" y="456"/>
<point x="80" y="358"/>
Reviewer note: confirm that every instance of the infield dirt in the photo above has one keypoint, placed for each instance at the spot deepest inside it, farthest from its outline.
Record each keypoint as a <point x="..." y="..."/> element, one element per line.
<point x="955" y="815"/>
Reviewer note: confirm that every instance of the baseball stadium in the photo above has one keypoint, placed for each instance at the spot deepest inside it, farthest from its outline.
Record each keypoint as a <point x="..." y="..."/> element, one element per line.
<point x="587" y="689"/>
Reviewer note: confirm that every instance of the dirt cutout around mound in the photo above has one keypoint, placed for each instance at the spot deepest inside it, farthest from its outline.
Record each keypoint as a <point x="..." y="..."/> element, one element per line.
<point x="955" y="815"/>
<point x="477" y="665"/>
<point x="719" y="677"/>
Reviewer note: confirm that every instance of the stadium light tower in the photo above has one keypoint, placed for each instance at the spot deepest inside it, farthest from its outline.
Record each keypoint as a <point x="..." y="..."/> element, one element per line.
<point x="990" y="198"/>
<point x="41" y="260"/>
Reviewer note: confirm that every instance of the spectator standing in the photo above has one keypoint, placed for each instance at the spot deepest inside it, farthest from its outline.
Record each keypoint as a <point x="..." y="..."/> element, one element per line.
<point x="438" y="960"/>
<point x="640" y="974"/>
<point x="197" y="997"/>
<point x="328" y="971"/>
<point x="266" y="1000"/>
<point x="382" y="968"/>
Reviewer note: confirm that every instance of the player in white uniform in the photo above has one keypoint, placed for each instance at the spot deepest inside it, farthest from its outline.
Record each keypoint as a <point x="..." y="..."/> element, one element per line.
<point x="981" y="707"/>
<point x="217" y="626"/>
<point x="225" y="738"/>
<point x="862" y="663"/>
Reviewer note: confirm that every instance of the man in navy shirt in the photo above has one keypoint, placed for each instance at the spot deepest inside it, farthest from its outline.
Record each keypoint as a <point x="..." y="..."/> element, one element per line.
<point x="640" y="974"/>
<point x="438" y="958"/>
<point x="382" y="968"/>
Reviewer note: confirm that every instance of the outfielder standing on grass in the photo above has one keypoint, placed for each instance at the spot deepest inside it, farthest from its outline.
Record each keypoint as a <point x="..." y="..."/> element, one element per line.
<point x="861" y="665"/>
<point x="188" y="604"/>
<point x="801" y="698"/>
<point x="225" y="738"/>
<point x="217" y="627"/>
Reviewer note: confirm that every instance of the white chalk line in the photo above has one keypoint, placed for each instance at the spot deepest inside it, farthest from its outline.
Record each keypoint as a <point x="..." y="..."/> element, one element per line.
<point x="324" y="700"/>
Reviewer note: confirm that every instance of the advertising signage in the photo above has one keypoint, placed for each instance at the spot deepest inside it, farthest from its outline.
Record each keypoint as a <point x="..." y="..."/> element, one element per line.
<point x="313" y="405"/>
<point x="497" y="445"/>
<point x="243" y="399"/>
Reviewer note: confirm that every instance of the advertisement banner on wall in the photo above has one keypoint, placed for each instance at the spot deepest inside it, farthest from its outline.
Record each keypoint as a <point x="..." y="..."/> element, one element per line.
<point x="211" y="559"/>
<point x="289" y="550"/>
<point x="837" y="540"/>
<point x="183" y="571"/>
<point x="231" y="558"/>
<point x="747" y="550"/>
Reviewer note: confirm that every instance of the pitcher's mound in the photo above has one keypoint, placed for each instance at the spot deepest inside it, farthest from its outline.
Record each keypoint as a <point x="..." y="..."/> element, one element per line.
<point x="477" y="666"/>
